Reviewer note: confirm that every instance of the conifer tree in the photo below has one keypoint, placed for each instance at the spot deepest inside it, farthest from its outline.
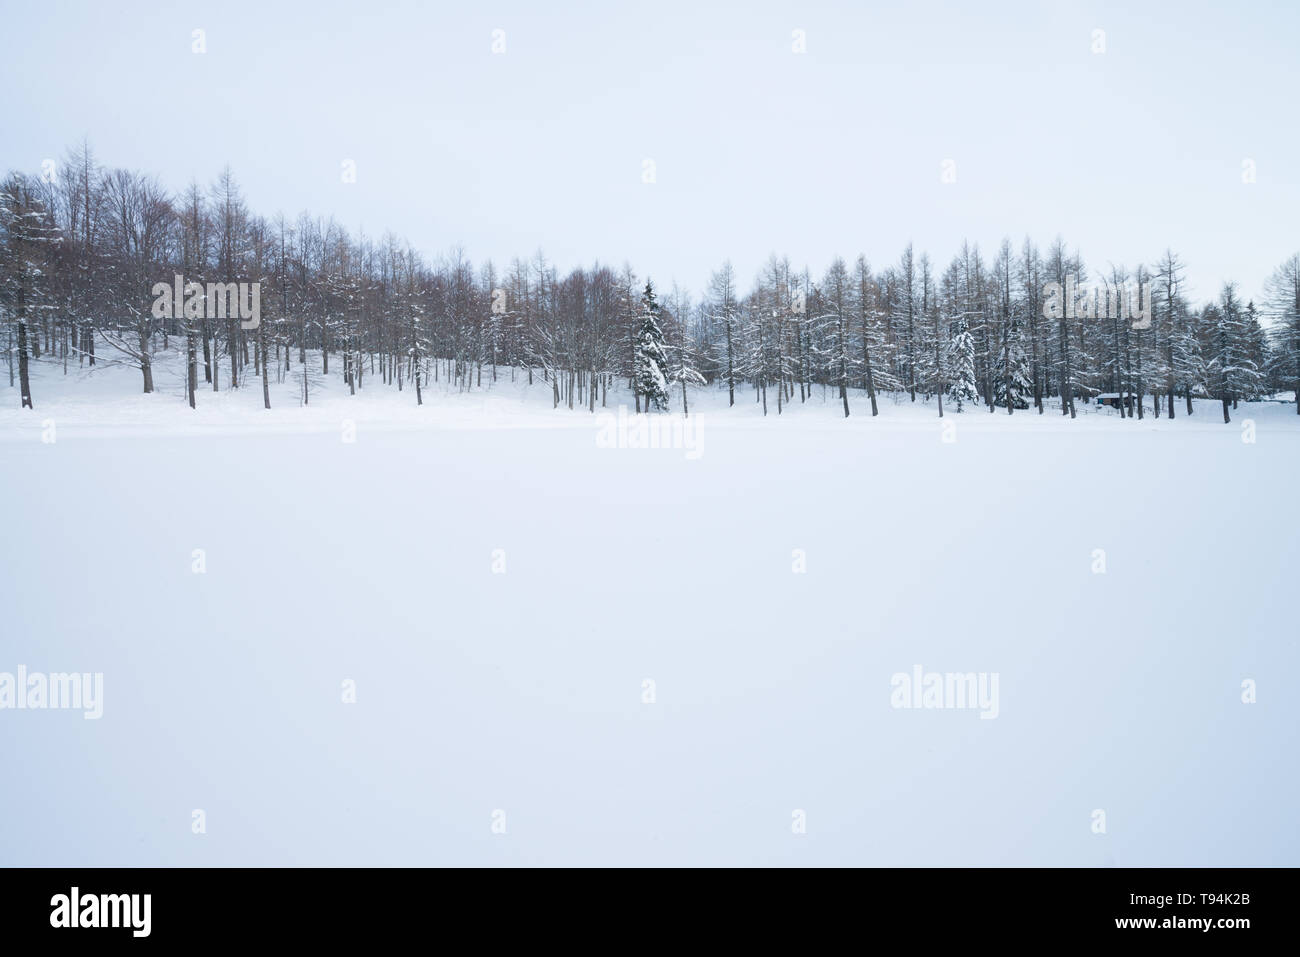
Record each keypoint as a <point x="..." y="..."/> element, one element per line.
<point x="684" y="370"/>
<point x="962" y="386"/>
<point x="28" y="236"/>
<point x="1233" y="372"/>
<point x="650" y="359"/>
<point x="1284" y="301"/>
<point x="1012" y="383"/>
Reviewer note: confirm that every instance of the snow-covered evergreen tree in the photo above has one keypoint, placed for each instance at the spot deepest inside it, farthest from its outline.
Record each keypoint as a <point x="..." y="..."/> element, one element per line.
<point x="1233" y="372"/>
<point x="962" y="388"/>
<point x="1012" y="382"/>
<point x="649" y="355"/>
<point x="1257" y="349"/>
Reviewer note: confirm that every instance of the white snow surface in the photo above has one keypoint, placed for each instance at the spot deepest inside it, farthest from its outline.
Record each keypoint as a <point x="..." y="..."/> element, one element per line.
<point x="522" y="692"/>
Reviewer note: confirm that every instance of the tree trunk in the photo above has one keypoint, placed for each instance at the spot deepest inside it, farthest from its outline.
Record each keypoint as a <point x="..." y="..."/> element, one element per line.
<point x="731" y="374"/>
<point x="146" y="366"/>
<point x="233" y="346"/>
<point x="191" y="364"/>
<point x="266" y="377"/>
<point x="24" y="383"/>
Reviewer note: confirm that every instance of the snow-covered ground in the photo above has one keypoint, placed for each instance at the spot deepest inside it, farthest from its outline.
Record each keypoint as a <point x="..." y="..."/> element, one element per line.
<point x="500" y="584"/>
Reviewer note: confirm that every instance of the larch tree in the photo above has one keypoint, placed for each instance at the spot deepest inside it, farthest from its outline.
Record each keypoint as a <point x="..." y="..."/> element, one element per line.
<point x="29" y="237"/>
<point x="139" y="218"/>
<point x="685" y="359"/>
<point x="1284" y="303"/>
<point x="835" y="323"/>
<point x="724" y="311"/>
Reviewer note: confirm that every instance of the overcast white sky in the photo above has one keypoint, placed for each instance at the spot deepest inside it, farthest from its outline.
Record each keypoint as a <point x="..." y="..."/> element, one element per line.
<point x="757" y="149"/>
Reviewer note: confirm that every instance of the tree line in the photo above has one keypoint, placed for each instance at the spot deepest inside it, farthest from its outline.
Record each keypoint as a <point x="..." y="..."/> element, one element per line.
<point x="81" y="253"/>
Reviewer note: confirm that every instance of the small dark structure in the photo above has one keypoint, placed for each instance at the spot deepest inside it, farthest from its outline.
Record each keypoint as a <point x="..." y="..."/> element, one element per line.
<point x="1114" y="399"/>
